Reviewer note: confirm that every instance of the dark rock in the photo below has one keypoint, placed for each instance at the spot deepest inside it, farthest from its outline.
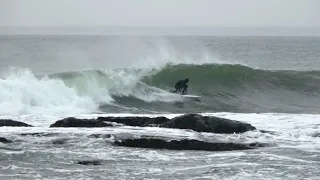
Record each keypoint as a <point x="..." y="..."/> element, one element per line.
<point x="269" y="132"/>
<point x="185" y="144"/>
<point x="40" y="134"/>
<point x="9" y="122"/>
<point x="59" y="141"/>
<point x="257" y="145"/>
<point x="90" y="162"/>
<point x="99" y="136"/>
<point x="4" y="140"/>
<point x="208" y="124"/>
<point x="74" y="122"/>
<point x="136" y="121"/>
<point x="315" y="135"/>
<point x="189" y="121"/>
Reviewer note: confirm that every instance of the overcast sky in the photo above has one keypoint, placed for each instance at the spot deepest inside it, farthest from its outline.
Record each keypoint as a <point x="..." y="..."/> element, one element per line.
<point x="155" y="13"/>
<point x="160" y="12"/>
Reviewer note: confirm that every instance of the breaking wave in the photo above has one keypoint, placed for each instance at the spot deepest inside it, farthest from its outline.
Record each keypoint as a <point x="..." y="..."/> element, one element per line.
<point x="222" y="87"/>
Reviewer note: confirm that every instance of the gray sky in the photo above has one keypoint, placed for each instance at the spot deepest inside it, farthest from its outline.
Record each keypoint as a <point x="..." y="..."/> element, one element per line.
<point x="159" y="12"/>
<point x="154" y="13"/>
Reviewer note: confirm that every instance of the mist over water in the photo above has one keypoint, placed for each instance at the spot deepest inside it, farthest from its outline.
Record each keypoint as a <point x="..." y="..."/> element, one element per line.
<point x="47" y="54"/>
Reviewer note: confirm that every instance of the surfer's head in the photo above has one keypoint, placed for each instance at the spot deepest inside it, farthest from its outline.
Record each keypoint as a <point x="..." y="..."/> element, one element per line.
<point x="186" y="80"/>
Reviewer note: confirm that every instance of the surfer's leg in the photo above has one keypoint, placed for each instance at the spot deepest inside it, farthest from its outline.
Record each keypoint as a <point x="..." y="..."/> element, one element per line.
<point x="185" y="89"/>
<point x="177" y="88"/>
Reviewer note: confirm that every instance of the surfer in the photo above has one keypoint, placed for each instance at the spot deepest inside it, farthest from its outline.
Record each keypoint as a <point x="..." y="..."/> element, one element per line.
<point x="181" y="86"/>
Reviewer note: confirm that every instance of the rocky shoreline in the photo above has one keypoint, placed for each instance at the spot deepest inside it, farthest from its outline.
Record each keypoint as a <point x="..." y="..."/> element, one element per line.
<point x="185" y="144"/>
<point x="195" y="122"/>
<point x="189" y="121"/>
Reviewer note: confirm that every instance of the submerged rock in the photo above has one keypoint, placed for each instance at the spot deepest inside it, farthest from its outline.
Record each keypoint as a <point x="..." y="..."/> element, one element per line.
<point x="60" y="141"/>
<point x="100" y="136"/>
<point x="4" y="140"/>
<point x="39" y="134"/>
<point x="185" y="144"/>
<point x="74" y="122"/>
<point x="136" y="121"/>
<point x="269" y="132"/>
<point x="315" y="135"/>
<point x="208" y="124"/>
<point x="9" y="122"/>
<point x="90" y="162"/>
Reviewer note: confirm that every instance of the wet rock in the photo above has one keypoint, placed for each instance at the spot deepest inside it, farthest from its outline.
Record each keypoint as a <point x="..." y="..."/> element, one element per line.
<point x="60" y="141"/>
<point x="74" y="122"/>
<point x="4" y="140"/>
<point x="99" y="136"/>
<point x="136" y="121"/>
<point x="189" y="121"/>
<point x="11" y="123"/>
<point x="208" y="124"/>
<point x="269" y="132"/>
<point x="40" y="134"/>
<point x="185" y="144"/>
<point x="316" y="135"/>
<point x="90" y="162"/>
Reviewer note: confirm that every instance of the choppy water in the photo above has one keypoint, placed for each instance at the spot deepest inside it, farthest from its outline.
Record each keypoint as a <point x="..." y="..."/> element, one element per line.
<point x="271" y="82"/>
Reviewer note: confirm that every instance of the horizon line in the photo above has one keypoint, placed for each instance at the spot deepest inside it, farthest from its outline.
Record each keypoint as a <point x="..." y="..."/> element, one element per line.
<point x="157" y="26"/>
<point x="163" y="30"/>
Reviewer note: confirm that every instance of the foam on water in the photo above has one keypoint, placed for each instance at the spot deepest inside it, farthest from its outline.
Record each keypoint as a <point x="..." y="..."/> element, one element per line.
<point x="22" y="93"/>
<point x="287" y="130"/>
<point x="290" y="145"/>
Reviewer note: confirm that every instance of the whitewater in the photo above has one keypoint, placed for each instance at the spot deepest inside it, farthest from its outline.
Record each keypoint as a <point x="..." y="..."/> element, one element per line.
<point x="273" y="84"/>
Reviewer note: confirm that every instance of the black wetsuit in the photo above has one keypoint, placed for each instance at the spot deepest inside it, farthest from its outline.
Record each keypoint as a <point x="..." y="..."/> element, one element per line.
<point x="181" y="86"/>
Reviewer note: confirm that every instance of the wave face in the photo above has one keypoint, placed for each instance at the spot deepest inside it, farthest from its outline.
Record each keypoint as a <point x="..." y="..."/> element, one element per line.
<point x="222" y="87"/>
<point x="239" y="88"/>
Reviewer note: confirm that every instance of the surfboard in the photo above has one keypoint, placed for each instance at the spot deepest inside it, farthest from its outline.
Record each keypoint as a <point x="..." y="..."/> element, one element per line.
<point x="190" y="96"/>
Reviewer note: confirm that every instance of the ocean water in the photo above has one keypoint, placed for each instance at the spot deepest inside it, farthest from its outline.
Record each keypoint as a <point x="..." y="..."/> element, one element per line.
<point x="272" y="83"/>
